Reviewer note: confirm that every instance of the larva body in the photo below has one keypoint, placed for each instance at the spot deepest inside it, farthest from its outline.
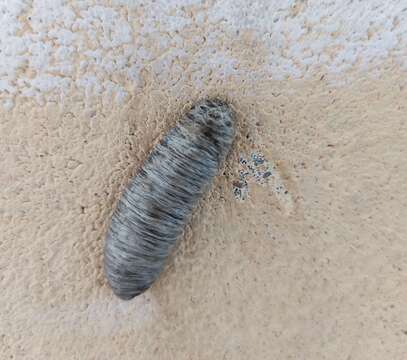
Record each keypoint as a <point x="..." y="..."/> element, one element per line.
<point x="158" y="202"/>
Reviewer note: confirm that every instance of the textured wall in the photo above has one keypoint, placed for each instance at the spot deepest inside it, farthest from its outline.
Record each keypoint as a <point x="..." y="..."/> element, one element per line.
<point x="306" y="262"/>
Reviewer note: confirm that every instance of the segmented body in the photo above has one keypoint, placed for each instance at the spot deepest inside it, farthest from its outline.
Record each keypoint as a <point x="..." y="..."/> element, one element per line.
<point x="156" y="206"/>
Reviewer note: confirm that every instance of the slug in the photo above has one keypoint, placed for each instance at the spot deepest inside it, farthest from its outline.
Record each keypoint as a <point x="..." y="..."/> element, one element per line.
<point x="157" y="204"/>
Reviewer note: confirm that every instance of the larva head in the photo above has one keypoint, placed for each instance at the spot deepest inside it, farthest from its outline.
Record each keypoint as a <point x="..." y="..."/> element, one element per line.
<point x="215" y="121"/>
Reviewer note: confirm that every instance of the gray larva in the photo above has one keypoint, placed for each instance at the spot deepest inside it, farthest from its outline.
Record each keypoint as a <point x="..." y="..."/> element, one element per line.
<point x="158" y="202"/>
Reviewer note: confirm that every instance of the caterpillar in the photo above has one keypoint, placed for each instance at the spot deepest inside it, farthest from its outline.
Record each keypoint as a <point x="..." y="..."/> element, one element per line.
<point x="157" y="204"/>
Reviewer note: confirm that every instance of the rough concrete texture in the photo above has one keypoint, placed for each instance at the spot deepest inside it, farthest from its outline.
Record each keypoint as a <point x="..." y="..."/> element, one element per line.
<point x="317" y="271"/>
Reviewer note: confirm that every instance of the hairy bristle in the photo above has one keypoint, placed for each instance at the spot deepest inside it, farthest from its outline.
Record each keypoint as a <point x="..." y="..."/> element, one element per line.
<point x="159" y="201"/>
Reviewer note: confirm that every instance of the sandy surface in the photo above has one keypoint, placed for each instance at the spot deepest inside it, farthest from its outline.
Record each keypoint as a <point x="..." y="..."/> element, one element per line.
<point x="311" y="264"/>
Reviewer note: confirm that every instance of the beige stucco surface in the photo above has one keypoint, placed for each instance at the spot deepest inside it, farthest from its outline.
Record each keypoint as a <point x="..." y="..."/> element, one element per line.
<point x="319" y="272"/>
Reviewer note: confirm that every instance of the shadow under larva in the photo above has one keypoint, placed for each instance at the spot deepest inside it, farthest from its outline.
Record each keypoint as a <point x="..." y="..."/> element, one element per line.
<point x="159" y="200"/>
